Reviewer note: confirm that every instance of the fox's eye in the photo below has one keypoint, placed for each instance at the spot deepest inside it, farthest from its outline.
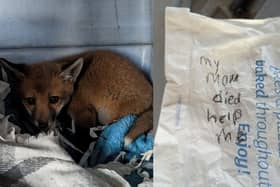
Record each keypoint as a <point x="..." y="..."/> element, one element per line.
<point x="30" y="100"/>
<point x="53" y="99"/>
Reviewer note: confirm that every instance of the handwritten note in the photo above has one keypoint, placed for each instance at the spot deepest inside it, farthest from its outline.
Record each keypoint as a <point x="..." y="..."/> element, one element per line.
<point x="224" y="96"/>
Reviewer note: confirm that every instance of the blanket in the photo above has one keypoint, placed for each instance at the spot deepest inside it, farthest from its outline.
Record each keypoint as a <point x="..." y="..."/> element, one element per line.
<point x="41" y="161"/>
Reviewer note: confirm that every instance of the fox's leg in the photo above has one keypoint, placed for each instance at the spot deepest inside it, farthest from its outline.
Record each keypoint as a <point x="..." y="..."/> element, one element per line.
<point x="83" y="115"/>
<point x="142" y="124"/>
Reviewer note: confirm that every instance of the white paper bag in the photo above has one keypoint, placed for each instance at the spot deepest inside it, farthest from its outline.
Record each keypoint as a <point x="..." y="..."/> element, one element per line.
<point x="220" y="117"/>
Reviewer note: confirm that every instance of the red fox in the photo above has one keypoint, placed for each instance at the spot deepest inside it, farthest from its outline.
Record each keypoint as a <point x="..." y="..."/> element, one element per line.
<point x="99" y="85"/>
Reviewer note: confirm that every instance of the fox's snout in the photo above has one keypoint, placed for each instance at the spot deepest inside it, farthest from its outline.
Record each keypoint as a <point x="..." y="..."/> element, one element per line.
<point x="42" y="118"/>
<point x="43" y="125"/>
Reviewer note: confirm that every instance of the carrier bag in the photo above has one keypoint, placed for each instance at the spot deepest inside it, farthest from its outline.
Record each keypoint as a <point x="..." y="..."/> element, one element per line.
<point x="220" y="116"/>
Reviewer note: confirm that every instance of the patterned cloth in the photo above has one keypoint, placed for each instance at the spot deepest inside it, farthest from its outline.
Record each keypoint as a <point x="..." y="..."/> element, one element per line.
<point x="42" y="162"/>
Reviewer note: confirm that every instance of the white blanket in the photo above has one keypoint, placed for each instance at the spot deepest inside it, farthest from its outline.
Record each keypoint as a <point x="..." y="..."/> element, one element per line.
<point x="41" y="162"/>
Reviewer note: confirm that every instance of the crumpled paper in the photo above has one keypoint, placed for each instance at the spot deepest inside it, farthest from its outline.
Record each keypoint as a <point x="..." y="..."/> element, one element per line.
<point x="220" y="117"/>
<point x="8" y="131"/>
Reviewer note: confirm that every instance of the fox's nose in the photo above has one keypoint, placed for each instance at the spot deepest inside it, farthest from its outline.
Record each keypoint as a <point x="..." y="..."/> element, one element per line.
<point x="42" y="125"/>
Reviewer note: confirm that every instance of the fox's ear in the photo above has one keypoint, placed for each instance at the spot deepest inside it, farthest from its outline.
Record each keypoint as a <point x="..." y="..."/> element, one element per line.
<point x="16" y="69"/>
<point x="72" y="72"/>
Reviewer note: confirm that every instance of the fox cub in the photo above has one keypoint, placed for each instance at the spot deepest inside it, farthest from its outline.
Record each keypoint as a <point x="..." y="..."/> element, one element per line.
<point x="95" y="86"/>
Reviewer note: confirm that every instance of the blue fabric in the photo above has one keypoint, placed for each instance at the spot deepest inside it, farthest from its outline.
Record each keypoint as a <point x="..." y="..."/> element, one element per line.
<point x="142" y="144"/>
<point x="136" y="177"/>
<point x="111" y="142"/>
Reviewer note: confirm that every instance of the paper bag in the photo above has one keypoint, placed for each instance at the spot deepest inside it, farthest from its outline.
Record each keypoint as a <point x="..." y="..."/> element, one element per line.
<point x="220" y="117"/>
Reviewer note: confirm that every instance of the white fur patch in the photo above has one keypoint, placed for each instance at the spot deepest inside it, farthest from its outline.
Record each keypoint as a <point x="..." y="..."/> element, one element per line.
<point x="127" y="141"/>
<point x="62" y="105"/>
<point x="52" y="125"/>
<point x="36" y="123"/>
<point x="103" y="116"/>
<point x="26" y="108"/>
<point x="73" y="126"/>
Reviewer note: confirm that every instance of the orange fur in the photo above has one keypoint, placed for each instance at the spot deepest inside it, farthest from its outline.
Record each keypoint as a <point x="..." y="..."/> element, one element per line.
<point x="109" y="87"/>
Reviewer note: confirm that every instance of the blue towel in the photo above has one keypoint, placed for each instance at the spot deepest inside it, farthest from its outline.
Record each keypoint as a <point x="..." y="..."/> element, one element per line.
<point x="141" y="145"/>
<point x="111" y="142"/>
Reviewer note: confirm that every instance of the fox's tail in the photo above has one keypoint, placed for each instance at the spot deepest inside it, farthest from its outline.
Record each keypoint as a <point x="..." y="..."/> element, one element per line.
<point x="142" y="124"/>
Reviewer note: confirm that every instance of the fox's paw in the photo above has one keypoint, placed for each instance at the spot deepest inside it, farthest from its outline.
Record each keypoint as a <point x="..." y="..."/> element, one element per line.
<point x="127" y="141"/>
